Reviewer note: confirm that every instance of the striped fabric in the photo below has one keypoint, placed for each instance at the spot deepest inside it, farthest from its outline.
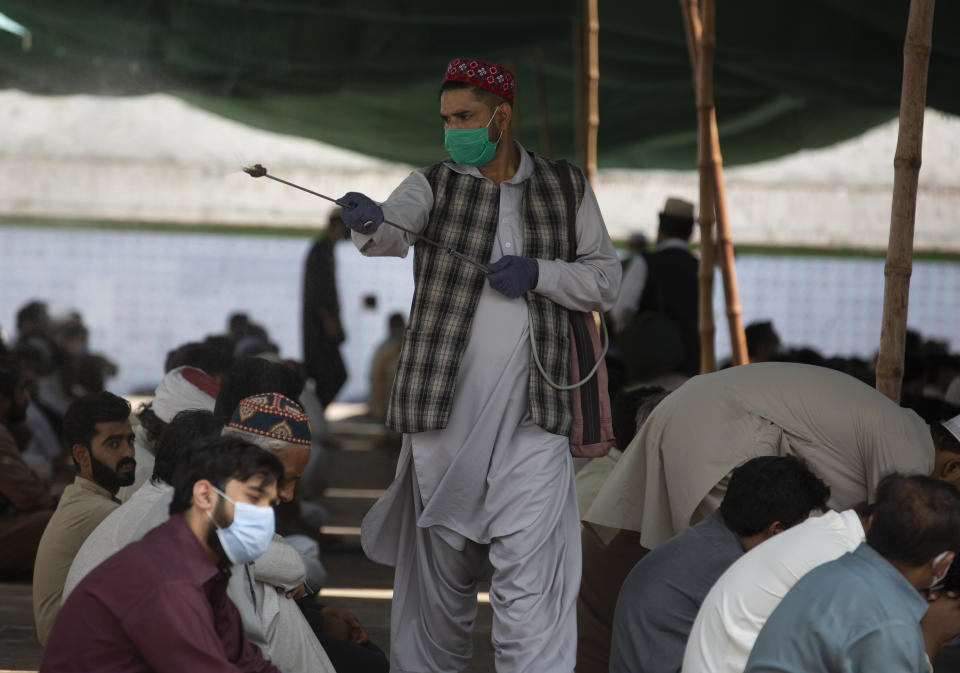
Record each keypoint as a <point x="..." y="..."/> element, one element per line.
<point x="465" y="217"/>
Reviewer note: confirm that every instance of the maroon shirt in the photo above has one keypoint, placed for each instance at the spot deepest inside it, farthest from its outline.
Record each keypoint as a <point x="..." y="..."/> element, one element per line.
<point x="157" y="605"/>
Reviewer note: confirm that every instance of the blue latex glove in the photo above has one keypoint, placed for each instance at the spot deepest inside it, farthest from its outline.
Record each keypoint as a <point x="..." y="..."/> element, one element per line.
<point x="512" y="276"/>
<point x="359" y="210"/>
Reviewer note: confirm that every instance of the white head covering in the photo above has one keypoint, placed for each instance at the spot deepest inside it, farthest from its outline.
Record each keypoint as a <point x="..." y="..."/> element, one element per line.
<point x="184" y="388"/>
<point x="953" y="426"/>
<point x="953" y="392"/>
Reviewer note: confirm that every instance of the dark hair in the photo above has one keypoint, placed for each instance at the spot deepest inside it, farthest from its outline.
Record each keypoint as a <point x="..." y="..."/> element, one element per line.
<point x="79" y="423"/>
<point x="35" y="310"/>
<point x="219" y="459"/>
<point x="672" y="226"/>
<point x="237" y="321"/>
<point x="625" y="411"/>
<point x="943" y="439"/>
<point x="254" y="376"/>
<point x="209" y="359"/>
<point x="768" y="489"/>
<point x="185" y="427"/>
<point x="396" y="321"/>
<point x="759" y="334"/>
<point x="151" y="423"/>
<point x="222" y="343"/>
<point x="489" y="98"/>
<point x="9" y="374"/>
<point x="914" y="518"/>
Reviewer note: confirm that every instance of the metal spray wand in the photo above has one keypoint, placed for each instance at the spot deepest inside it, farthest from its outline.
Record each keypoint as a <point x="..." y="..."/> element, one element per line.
<point x="260" y="171"/>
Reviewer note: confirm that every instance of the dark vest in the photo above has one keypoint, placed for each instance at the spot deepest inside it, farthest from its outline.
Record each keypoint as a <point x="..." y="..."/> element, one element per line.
<point x="673" y="289"/>
<point x="465" y="216"/>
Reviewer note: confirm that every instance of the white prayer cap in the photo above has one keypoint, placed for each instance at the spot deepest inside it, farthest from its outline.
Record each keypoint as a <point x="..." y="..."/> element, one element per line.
<point x="953" y="425"/>
<point x="953" y="392"/>
<point x="184" y="388"/>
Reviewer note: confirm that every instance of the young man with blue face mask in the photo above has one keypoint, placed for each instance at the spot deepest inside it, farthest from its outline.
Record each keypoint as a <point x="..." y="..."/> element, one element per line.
<point x="484" y="486"/>
<point x="160" y="604"/>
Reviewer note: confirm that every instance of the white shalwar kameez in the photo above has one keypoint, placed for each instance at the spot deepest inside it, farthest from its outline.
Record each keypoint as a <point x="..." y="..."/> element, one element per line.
<point x="491" y="496"/>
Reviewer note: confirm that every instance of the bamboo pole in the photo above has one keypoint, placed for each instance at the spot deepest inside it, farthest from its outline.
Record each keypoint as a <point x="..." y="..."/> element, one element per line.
<point x="705" y="325"/>
<point x="592" y="58"/>
<point x="906" y="175"/>
<point x="713" y="168"/>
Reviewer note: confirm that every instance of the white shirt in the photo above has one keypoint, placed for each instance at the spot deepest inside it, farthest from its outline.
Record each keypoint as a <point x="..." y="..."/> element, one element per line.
<point x="740" y="602"/>
<point x="631" y="289"/>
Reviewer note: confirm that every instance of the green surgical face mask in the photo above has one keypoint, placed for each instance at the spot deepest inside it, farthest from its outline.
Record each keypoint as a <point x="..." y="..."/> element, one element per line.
<point x="471" y="146"/>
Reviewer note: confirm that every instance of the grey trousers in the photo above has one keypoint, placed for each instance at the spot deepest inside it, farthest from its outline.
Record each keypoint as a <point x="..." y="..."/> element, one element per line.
<point x="534" y="575"/>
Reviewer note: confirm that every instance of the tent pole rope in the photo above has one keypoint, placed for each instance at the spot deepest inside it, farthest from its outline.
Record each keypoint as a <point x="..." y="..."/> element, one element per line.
<point x="906" y="175"/>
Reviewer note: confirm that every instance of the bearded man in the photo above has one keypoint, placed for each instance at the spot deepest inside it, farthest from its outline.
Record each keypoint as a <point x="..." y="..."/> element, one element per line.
<point x="484" y="486"/>
<point x="97" y="430"/>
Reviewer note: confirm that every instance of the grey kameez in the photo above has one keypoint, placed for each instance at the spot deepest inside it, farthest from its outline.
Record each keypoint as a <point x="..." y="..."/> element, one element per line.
<point x="491" y="477"/>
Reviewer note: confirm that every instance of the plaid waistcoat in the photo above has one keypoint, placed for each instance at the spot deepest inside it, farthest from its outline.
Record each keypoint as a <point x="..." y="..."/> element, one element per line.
<point x="465" y="217"/>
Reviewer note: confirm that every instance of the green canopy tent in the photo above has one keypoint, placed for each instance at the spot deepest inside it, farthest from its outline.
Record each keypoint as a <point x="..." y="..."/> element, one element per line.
<point x="364" y="76"/>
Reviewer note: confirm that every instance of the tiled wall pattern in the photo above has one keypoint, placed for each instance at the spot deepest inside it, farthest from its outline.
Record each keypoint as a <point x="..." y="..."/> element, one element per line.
<point x="834" y="304"/>
<point x="143" y="293"/>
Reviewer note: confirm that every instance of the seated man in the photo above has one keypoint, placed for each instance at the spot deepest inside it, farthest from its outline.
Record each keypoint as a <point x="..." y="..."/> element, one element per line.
<point x="25" y="504"/>
<point x="160" y="604"/>
<point x="661" y="596"/>
<point x="97" y="428"/>
<point x="862" y="611"/>
<point x="284" y="633"/>
<point x="181" y="389"/>
<point x="149" y="506"/>
<point x="740" y="601"/>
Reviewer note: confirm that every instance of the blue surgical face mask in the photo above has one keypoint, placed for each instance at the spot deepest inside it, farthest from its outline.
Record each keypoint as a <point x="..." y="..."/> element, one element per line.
<point x="472" y="147"/>
<point x="247" y="538"/>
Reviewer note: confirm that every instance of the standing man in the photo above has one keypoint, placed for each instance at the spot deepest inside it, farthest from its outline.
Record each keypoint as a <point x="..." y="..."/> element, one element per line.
<point x="97" y="430"/>
<point x="25" y="504"/>
<point x="662" y="338"/>
<point x="484" y="486"/>
<point x="322" y="331"/>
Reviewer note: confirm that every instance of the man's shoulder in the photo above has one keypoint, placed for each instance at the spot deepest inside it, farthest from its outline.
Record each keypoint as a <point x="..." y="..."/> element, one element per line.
<point x="82" y="508"/>
<point x="674" y="558"/>
<point x="154" y="558"/>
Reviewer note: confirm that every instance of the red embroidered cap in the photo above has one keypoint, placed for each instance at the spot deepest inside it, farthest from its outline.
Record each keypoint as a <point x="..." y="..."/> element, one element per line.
<point x="489" y="76"/>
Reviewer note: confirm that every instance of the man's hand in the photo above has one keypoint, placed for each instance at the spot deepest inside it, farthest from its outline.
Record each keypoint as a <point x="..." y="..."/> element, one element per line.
<point x="295" y="593"/>
<point x="511" y="275"/>
<point x="342" y="624"/>
<point x="941" y="624"/>
<point x="361" y="213"/>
